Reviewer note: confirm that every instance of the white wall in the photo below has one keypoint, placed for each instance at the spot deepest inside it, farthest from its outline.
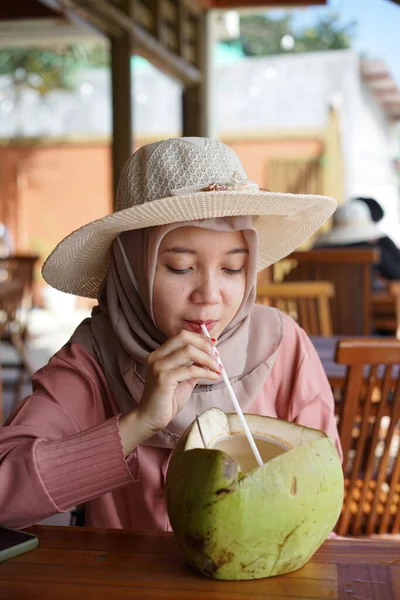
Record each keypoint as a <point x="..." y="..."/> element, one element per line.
<point x="256" y="94"/>
<point x="370" y="152"/>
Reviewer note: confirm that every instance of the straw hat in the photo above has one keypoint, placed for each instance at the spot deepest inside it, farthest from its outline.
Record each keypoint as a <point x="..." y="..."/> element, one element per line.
<point x="352" y="223"/>
<point x="178" y="180"/>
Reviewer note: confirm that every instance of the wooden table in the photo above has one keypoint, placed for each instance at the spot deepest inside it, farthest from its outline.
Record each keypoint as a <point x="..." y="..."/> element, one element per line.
<point x="326" y="348"/>
<point x="74" y="563"/>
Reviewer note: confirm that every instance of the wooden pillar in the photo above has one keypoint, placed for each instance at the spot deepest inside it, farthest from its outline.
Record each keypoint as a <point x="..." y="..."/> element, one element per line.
<point x="198" y="103"/>
<point x="121" y="78"/>
<point x="192" y="111"/>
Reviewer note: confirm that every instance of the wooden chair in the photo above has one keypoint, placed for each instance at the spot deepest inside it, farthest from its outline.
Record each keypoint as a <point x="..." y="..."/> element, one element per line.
<point x="306" y="301"/>
<point x="394" y="289"/>
<point x="369" y="429"/>
<point x="350" y="271"/>
<point x="386" y="309"/>
<point x="16" y="293"/>
<point x="11" y="293"/>
<point x="21" y="267"/>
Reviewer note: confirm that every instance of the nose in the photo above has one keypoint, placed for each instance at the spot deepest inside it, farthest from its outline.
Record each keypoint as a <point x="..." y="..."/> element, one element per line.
<point x="206" y="290"/>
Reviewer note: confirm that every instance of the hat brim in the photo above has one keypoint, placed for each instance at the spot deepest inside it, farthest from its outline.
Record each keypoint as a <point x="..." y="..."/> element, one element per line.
<point x="349" y="234"/>
<point x="78" y="264"/>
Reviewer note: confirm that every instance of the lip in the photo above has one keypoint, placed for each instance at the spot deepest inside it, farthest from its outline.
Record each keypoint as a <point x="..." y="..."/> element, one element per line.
<point x="196" y="325"/>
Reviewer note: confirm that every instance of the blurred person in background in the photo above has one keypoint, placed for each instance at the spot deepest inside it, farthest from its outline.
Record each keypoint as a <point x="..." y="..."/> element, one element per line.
<point x="355" y="226"/>
<point x="376" y="211"/>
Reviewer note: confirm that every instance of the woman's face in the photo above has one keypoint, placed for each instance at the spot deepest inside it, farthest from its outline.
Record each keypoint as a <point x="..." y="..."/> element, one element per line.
<point x="200" y="278"/>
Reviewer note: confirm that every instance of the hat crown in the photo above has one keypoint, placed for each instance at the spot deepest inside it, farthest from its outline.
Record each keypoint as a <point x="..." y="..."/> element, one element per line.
<point x="352" y="213"/>
<point x="156" y="170"/>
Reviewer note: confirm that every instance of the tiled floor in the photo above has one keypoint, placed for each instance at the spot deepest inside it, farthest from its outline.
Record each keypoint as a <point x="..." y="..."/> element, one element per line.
<point x="48" y="332"/>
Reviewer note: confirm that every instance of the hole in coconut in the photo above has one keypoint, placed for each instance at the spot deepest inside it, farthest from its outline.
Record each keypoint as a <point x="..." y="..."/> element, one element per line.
<point x="238" y="447"/>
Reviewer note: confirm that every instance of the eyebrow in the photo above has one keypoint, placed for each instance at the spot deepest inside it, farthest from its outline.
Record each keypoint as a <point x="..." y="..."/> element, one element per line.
<point x="181" y="250"/>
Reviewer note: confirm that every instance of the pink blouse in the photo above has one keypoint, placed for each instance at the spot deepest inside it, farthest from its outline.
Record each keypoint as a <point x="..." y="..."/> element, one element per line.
<point x="61" y="447"/>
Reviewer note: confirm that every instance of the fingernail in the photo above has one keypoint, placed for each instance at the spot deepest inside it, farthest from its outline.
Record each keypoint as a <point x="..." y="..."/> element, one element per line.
<point x="213" y="340"/>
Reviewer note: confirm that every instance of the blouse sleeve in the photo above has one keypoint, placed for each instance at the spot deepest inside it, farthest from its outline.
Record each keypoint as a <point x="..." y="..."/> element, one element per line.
<point x="304" y="395"/>
<point x="58" y="449"/>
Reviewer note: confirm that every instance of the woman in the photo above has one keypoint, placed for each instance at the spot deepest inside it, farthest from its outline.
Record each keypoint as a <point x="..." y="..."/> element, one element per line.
<point x="183" y="248"/>
<point x="354" y="226"/>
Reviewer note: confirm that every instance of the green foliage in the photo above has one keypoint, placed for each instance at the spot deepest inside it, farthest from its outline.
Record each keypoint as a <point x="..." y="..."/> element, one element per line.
<point x="327" y="34"/>
<point x="261" y="34"/>
<point x="48" y="69"/>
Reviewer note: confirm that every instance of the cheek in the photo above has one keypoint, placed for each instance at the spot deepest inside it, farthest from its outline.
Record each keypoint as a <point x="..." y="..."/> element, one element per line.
<point x="235" y="293"/>
<point x="167" y="297"/>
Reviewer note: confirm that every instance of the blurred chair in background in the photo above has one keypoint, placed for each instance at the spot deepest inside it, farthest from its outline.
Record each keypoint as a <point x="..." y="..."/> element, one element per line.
<point x="16" y="300"/>
<point x="350" y="272"/>
<point x="386" y="310"/>
<point x="307" y="302"/>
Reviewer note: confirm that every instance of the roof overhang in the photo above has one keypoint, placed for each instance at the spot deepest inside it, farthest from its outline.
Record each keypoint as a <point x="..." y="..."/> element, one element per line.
<point x="167" y="37"/>
<point x="167" y="34"/>
<point x="236" y="4"/>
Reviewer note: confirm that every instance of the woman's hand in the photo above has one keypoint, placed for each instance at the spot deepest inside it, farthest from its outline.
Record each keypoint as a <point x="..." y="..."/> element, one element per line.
<point x="173" y="371"/>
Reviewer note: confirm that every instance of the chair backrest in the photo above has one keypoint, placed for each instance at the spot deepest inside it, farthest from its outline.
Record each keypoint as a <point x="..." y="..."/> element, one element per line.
<point x="21" y="267"/>
<point x="369" y="429"/>
<point x="10" y="302"/>
<point x="306" y="301"/>
<point x="350" y="271"/>
<point x="394" y="290"/>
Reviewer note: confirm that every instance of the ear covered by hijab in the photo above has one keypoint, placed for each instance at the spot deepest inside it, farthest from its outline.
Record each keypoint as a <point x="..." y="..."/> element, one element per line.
<point x="122" y="330"/>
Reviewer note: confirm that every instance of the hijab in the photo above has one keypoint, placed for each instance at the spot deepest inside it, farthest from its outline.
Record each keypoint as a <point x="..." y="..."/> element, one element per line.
<point x="122" y="331"/>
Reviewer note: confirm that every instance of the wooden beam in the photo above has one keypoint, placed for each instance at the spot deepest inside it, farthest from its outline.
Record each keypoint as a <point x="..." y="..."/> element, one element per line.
<point x="164" y="59"/>
<point x="75" y="12"/>
<point x="109" y="19"/>
<point x="25" y="9"/>
<point x="194" y="98"/>
<point x="192" y="107"/>
<point x="181" y="20"/>
<point x="122" y="121"/>
<point x="198" y="102"/>
<point x="159" y="21"/>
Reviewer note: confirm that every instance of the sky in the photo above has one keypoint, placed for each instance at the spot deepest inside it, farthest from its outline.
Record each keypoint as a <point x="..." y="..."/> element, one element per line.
<point x="377" y="31"/>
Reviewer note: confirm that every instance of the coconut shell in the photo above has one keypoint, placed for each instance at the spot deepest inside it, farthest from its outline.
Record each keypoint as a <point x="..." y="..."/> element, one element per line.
<point x="269" y="521"/>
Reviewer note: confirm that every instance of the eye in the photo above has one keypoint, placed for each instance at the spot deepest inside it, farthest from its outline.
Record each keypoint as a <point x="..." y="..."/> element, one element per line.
<point x="178" y="271"/>
<point x="233" y="271"/>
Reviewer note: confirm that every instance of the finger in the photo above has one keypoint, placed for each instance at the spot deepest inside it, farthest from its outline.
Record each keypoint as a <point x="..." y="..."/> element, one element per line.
<point x="184" y="357"/>
<point x="184" y="338"/>
<point x="170" y="378"/>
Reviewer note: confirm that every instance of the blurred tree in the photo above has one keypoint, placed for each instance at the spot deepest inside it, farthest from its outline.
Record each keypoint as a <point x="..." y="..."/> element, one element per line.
<point x="48" y="69"/>
<point x="45" y="70"/>
<point x="262" y="35"/>
<point x="327" y="34"/>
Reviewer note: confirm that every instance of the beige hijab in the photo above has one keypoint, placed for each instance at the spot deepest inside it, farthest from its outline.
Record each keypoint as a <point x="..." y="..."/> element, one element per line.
<point x="122" y="331"/>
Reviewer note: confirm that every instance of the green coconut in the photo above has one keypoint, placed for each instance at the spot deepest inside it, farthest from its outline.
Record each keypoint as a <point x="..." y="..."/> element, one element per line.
<point x="235" y="520"/>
